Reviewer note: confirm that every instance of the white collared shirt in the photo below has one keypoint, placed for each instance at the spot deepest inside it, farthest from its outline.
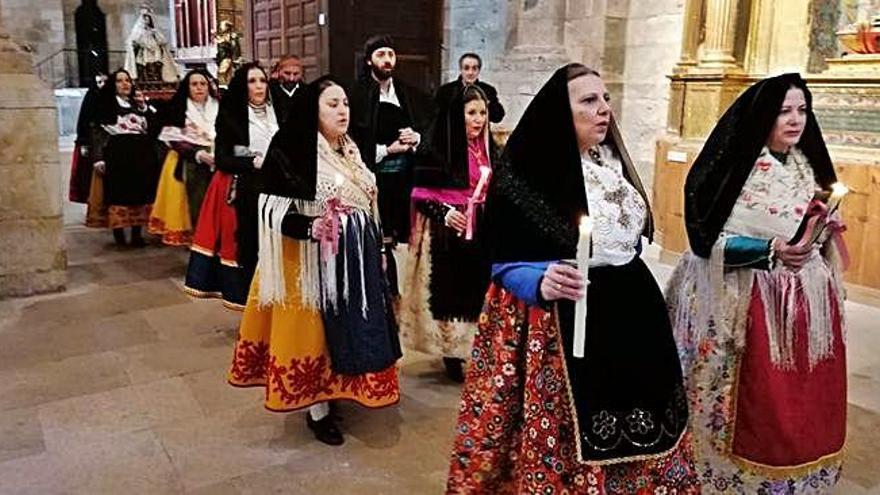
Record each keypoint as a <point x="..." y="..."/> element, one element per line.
<point x="390" y="96"/>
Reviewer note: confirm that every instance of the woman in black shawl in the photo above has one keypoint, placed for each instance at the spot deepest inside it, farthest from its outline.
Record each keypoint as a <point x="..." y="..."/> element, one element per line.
<point x="757" y="303"/>
<point x="81" y="166"/>
<point x="318" y="325"/>
<point x="448" y="271"/>
<point x="125" y="157"/>
<point x="224" y="249"/>
<point x="189" y="132"/>
<point x="534" y="418"/>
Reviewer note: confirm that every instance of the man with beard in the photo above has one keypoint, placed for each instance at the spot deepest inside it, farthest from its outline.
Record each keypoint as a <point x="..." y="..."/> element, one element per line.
<point x="470" y="65"/>
<point x="289" y="72"/>
<point x="389" y="118"/>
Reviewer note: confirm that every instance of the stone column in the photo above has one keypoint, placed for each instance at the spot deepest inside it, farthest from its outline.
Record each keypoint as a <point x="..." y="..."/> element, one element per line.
<point x="541" y="22"/>
<point x="537" y="48"/>
<point x="32" y="255"/>
<point x="693" y="22"/>
<point x="720" y="33"/>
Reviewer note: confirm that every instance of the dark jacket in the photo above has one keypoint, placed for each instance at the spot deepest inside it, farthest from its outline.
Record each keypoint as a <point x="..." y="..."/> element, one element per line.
<point x="365" y="114"/>
<point x="446" y="92"/>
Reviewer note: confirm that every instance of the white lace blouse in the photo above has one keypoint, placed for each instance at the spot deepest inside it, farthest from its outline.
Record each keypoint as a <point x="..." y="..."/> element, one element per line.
<point x="616" y="207"/>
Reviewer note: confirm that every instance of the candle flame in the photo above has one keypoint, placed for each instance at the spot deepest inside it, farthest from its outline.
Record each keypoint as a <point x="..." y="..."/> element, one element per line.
<point x="586" y="224"/>
<point x="839" y="189"/>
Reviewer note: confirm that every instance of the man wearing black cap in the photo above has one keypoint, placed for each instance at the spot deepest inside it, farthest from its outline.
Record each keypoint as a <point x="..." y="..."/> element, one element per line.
<point x="470" y="65"/>
<point x="389" y="119"/>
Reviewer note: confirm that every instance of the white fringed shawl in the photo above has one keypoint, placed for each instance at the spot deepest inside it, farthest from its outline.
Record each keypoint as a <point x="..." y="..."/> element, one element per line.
<point x="340" y="174"/>
<point x="702" y="294"/>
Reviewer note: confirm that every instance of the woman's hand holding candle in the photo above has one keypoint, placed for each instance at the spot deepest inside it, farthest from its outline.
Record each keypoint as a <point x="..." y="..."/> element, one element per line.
<point x="562" y="281"/>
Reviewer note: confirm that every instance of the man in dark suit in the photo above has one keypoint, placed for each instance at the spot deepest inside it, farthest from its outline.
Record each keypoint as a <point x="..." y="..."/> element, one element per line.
<point x="290" y="77"/>
<point x="470" y="65"/>
<point x="389" y="118"/>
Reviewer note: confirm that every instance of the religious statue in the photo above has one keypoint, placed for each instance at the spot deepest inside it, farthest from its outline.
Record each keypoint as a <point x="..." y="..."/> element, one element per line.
<point x="228" y="51"/>
<point x="147" y="57"/>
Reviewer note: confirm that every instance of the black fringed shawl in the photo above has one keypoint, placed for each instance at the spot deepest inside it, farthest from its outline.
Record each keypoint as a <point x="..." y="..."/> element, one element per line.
<point x="537" y="197"/>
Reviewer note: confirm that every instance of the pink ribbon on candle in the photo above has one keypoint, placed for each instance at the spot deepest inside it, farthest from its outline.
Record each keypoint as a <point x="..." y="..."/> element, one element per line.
<point x="822" y="220"/>
<point x="332" y="216"/>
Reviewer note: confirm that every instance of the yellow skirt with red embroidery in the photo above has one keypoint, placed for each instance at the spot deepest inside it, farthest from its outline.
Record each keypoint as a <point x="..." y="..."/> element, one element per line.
<point x="515" y="431"/>
<point x="170" y="216"/>
<point x="284" y="349"/>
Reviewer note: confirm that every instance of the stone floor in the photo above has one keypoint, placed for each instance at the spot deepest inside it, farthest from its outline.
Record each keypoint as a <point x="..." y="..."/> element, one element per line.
<point x="117" y="386"/>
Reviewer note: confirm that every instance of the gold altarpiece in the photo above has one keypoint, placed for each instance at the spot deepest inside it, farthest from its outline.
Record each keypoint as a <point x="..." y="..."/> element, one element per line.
<point x="730" y="44"/>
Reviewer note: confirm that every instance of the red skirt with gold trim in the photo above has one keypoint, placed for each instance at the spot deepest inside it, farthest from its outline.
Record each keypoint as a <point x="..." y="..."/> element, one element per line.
<point x="516" y="433"/>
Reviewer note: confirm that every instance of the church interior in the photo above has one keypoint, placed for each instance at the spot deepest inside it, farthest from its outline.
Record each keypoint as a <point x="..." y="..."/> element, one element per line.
<point x="112" y="379"/>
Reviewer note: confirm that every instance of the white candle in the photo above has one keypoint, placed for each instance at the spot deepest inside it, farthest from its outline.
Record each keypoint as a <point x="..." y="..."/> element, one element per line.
<point x="580" y="308"/>
<point x="472" y="202"/>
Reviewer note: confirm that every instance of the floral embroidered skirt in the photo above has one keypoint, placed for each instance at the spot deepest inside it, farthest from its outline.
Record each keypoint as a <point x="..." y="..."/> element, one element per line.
<point x="214" y="271"/>
<point x="170" y="216"/>
<point x="446" y="280"/>
<point x="517" y="432"/>
<point x="284" y="349"/>
<point x="762" y="428"/>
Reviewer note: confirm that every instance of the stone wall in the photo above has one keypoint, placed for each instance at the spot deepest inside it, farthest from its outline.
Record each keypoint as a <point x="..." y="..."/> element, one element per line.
<point x="653" y="46"/>
<point x="32" y="255"/>
<point x="478" y="26"/>
<point x="39" y="30"/>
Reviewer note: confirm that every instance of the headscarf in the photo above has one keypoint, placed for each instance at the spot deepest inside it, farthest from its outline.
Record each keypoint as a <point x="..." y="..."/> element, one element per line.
<point x="232" y="119"/>
<point x="724" y="164"/>
<point x="538" y="196"/>
<point x="449" y="172"/>
<point x="375" y="42"/>
<point x="291" y="165"/>
<point x="181" y="120"/>
<point x="107" y="105"/>
<point x="372" y="44"/>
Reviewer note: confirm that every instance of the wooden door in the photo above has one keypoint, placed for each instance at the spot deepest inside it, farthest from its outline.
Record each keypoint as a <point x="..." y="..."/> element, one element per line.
<point x="415" y="25"/>
<point x="289" y="27"/>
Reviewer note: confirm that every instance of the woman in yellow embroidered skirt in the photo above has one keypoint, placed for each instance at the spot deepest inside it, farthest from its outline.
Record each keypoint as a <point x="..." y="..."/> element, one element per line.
<point x="318" y="325"/>
<point x="189" y="165"/>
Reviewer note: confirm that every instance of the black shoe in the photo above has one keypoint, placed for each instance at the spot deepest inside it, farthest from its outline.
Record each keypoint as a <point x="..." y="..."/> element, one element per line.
<point x="119" y="237"/>
<point x="137" y="240"/>
<point x="325" y="430"/>
<point x="454" y="369"/>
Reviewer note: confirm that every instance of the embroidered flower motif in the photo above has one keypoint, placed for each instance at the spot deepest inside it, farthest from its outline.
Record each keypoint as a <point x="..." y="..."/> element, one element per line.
<point x="660" y="490"/>
<point x="640" y="421"/>
<point x="763" y="165"/>
<point x="545" y="423"/>
<point x="773" y="210"/>
<point x="534" y="345"/>
<point x="604" y="425"/>
<point x="798" y="210"/>
<point x="509" y="369"/>
<point x="499" y="381"/>
<point x="551" y="442"/>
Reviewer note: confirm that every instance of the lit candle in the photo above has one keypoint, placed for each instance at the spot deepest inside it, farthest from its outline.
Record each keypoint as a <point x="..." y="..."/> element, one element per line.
<point x="580" y="308"/>
<point x="472" y="202"/>
<point x="838" y="191"/>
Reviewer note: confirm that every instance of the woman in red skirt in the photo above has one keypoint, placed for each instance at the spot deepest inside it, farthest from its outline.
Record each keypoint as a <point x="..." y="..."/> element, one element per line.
<point x="757" y="303"/>
<point x="535" y="417"/>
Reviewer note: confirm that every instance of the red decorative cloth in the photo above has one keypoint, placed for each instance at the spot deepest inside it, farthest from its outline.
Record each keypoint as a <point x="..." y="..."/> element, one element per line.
<point x="516" y="432"/>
